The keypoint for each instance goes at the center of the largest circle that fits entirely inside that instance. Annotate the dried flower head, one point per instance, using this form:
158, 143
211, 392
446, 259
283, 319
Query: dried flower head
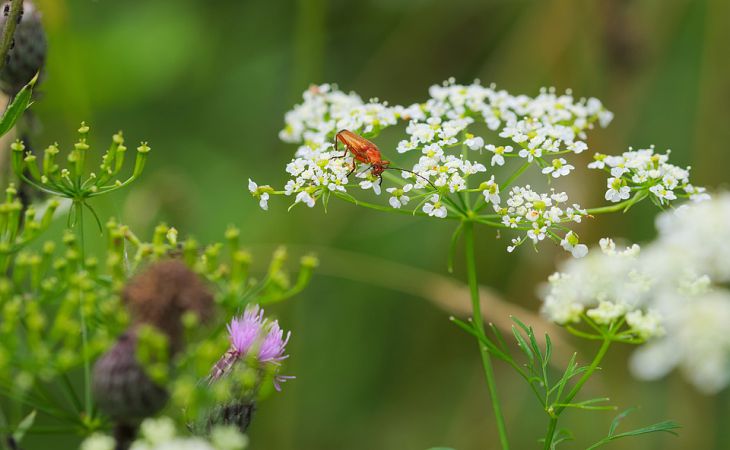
160, 295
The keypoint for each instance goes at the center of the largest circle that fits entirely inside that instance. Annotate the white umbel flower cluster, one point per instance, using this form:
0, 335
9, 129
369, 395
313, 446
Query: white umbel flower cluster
690, 260
604, 286
674, 291
448, 162
646, 171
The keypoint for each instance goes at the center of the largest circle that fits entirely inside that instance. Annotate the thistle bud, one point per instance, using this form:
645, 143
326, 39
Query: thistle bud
123, 390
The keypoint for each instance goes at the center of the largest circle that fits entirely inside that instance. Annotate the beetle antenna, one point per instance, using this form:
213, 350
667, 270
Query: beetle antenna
414, 173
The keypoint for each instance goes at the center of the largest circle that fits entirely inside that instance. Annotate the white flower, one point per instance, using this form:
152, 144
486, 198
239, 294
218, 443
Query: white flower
636, 169
645, 324
498, 158
262, 194
228, 438
434, 207
398, 196
530, 153
305, 198
617, 191
559, 167
369, 184
474, 143
570, 244
157, 431
98, 441
606, 284
490, 190
674, 291
662, 193
607, 312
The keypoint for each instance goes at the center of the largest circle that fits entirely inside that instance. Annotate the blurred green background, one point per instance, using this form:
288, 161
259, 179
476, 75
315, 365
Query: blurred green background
207, 84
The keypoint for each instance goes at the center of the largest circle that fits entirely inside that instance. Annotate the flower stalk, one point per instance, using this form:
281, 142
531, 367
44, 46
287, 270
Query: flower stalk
477, 321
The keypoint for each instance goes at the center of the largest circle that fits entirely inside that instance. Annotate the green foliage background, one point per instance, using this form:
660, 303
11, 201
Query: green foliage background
207, 84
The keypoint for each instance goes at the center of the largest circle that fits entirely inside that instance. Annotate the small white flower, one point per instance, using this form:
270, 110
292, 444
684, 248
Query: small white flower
606, 312
434, 207
490, 190
158, 431
558, 168
498, 158
398, 196
474, 143
228, 438
537, 233
305, 198
617, 190
252, 186
662, 193
571, 244
98, 441
646, 325
369, 184
530, 153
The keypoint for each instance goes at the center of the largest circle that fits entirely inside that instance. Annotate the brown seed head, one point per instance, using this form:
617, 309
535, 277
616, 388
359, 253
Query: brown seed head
162, 293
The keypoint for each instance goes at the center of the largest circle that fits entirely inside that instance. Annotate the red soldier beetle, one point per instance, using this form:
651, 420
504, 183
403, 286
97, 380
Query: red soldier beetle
366, 152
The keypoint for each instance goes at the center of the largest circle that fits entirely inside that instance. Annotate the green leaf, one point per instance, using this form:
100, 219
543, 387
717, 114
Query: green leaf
562, 435
441, 448
24, 426
523, 345
666, 426
617, 420
548, 351
17, 107
588, 404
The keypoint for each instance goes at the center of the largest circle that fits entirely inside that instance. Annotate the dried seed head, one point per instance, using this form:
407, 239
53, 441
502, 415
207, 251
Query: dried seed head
162, 293
28, 54
121, 387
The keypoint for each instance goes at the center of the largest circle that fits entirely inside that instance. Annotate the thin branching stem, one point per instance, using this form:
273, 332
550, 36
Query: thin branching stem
479, 327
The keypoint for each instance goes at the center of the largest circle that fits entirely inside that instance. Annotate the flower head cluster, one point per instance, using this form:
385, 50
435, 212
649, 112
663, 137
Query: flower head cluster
536, 213
690, 261
589, 290
252, 336
678, 284
644, 171
447, 161
437, 129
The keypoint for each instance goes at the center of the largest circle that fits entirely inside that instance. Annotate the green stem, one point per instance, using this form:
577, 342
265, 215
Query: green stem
607, 339
479, 324
88, 402
388, 208
619, 206
16, 6
514, 176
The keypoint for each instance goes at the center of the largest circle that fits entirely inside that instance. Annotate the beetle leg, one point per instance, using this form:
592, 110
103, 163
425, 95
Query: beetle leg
335, 142
353, 169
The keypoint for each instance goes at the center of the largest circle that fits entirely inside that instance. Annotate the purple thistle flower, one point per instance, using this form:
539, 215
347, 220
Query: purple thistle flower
253, 335
273, 347
244, 331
